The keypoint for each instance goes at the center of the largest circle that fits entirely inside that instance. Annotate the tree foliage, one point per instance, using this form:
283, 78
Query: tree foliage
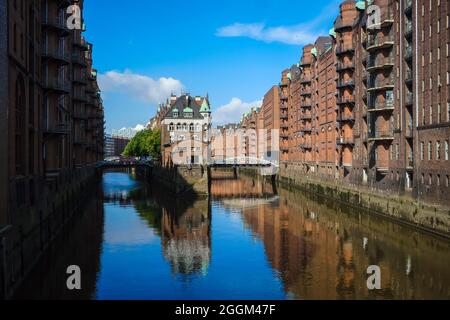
145, 143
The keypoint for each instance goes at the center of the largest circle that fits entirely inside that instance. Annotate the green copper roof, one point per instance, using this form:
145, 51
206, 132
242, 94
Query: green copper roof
205, 106
332, 33
175, 110
289, 76
361, 5
187, 110
314, 51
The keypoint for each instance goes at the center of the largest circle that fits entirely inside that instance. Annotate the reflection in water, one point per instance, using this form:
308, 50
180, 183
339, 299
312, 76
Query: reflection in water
248, 241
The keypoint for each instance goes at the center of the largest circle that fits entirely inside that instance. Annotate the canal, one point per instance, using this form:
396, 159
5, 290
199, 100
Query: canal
251, 240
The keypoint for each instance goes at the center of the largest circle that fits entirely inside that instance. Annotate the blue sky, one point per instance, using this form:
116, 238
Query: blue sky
234, 50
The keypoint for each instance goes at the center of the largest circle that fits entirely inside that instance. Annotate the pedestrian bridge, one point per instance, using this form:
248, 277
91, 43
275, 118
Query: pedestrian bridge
123, 164
267, 167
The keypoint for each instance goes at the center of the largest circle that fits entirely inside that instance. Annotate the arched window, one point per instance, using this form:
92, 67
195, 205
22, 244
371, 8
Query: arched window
20, 116
197, 127
184, 127
178, 126
171, 127
191, 127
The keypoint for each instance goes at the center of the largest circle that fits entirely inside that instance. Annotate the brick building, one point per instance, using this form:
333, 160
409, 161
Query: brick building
374, 99
51, 123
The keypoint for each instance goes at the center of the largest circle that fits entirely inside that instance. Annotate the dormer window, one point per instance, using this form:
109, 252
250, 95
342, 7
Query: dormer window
188, 114
175, 114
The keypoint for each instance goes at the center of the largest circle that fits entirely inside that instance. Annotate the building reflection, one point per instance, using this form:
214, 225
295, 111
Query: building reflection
183, 224
321, 250
186, 238
79, 244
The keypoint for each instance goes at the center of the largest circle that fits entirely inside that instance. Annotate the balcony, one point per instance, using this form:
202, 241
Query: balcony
408, 53
380, 63
384, 84
306, 145
346, 117
305, 92
408, 7
410, 162
305, 105
341, 66
60, 128
306, 129
58, 24
409, 133
283, 97
377, 43
305, 79
381, 165
409, 77
55, 54
409, 99
346, 100
283, 106
284, 126
305, 117
305, 62
80, 41
380, 135
364, 76
79, 59
79, 115
342, 141
408, 30
387, 17
79, 96
283, 84
345, 83
387, 105
93, 75
80, 78
284, 116
344, 49
56, 85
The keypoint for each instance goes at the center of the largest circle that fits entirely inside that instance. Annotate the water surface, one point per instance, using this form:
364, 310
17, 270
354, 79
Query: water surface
250, 240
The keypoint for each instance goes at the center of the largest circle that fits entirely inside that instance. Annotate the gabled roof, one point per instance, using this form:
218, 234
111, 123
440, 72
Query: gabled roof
185, 103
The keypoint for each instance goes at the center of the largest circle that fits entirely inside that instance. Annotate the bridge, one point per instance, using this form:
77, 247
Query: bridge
268, 167
123, 164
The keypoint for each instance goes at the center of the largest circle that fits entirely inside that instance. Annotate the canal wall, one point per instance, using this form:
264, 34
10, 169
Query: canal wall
33, 227
182, 179
398, 207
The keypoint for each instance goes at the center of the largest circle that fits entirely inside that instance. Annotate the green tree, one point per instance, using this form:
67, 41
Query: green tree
145, 143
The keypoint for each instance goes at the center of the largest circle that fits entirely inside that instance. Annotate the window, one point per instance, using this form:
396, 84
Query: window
439, 113
438, 180
446, 150
447, 180
430, 151
422, 151
422, 179
438, 150
430, 179
431, 115
171, 127
396, 152
20, 113
175, 114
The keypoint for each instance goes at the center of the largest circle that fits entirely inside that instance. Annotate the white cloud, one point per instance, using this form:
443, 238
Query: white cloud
139, 86
232, 111
128, 132
295, 35
299, 34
